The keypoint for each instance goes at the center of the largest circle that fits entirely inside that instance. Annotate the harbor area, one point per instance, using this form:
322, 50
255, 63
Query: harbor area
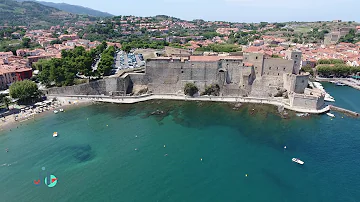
351, 82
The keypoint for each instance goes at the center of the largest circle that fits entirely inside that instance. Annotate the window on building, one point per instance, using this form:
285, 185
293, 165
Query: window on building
284, 68
269, 68
256, 57
278, 74
302, 81
295, 62
182, 71
296, 56
243, 64
277, 68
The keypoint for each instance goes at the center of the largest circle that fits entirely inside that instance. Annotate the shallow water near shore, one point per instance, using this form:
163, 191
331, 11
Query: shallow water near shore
193, 151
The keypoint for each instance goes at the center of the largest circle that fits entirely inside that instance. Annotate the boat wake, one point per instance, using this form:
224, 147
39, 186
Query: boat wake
8, 164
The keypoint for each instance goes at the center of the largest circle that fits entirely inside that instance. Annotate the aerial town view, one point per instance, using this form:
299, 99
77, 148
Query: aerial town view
179, 101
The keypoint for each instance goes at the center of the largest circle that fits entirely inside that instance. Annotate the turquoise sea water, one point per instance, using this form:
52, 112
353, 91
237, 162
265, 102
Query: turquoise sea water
111, 152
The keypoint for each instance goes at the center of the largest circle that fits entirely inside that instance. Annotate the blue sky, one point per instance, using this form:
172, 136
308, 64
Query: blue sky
230, 10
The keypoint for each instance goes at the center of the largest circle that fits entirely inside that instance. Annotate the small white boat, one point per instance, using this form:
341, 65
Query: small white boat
55, 111
55, 134
61, 110
339, 84
296, 160
329, 98
330, 114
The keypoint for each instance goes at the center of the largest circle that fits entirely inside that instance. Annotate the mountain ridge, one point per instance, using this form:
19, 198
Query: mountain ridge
75, 9
31, 13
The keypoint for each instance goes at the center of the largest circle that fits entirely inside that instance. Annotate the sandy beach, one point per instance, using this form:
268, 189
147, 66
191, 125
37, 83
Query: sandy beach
13, 120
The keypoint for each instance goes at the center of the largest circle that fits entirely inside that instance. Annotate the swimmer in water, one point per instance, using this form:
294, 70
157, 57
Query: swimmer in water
7, 150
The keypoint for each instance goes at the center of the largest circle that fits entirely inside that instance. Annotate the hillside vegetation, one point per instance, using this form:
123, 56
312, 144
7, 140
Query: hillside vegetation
73, 9
31, 13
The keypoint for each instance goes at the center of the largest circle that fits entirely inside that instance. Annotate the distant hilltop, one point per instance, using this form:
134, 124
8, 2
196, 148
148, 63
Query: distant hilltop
75, 9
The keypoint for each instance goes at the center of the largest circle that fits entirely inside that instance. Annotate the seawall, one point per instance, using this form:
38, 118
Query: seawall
135, 99
108, 86
345, 111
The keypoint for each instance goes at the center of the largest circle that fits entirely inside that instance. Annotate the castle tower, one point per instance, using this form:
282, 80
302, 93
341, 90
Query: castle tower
257, 59
296, 57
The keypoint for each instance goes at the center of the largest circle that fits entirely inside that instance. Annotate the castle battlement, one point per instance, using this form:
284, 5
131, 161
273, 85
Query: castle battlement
250, 75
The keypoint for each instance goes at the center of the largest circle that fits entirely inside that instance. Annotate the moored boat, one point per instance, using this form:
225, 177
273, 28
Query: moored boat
339, 84
330, 114
61, 110
296, 160
55, 111
329, 98
55, 134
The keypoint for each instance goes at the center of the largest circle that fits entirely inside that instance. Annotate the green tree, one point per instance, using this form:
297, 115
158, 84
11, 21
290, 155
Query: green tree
5, 100
190, 89
307, 68
57, 41
25, 91
107, 61
295, 40
330, 61
126, 48
275, 56
26, 42
213, 89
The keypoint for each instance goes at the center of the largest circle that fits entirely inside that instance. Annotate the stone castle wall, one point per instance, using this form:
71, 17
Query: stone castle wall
107, 86
255, 76
257, 59
277, 67
305, 101
295, 83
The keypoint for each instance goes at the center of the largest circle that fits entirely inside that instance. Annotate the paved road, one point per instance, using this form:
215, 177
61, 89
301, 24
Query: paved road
117, 62
94, 68
126, 61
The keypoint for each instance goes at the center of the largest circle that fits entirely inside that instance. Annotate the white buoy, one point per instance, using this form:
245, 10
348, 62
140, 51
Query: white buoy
164, 146
284, 147
246, 175
135, 135
200, 159
135, 149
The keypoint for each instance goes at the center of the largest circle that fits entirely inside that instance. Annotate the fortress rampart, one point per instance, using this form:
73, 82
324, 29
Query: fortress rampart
252, 76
